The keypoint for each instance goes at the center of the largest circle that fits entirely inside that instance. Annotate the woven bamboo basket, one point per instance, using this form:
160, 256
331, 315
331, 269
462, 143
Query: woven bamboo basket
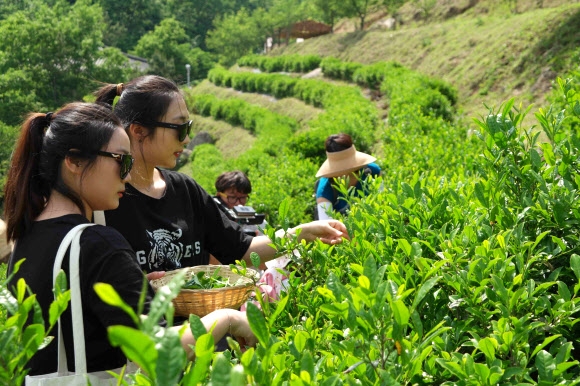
203, 301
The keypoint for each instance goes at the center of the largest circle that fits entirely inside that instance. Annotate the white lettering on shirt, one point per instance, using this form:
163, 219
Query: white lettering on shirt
141, 257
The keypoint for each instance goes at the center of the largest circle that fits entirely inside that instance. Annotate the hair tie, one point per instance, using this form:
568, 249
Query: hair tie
48, 118
119, 89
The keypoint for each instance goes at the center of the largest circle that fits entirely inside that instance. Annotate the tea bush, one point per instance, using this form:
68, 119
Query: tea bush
463, 264
346, 109
287, 63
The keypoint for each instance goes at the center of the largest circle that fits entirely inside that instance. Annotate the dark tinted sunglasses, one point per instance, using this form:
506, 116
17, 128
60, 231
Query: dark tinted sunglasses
125, 160
183, 129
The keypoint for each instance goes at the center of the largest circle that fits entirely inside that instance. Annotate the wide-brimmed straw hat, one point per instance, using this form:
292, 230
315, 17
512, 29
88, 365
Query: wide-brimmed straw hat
342, 162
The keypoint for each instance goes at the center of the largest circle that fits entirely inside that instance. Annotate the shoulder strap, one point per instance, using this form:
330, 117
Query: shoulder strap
99, 217
72, 237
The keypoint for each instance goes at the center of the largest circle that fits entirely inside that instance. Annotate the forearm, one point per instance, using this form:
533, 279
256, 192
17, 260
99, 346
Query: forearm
328, 231
221, 318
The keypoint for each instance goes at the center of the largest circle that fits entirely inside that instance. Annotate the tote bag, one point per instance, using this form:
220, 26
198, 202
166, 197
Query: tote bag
80, 377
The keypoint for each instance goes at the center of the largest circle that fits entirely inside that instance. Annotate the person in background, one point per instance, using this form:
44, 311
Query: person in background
233, 188
343, 160
65, 166
169, 220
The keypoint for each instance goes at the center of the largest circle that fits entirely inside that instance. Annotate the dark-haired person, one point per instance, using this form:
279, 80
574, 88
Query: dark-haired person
168, 219
233, 188
342, 160
65, 166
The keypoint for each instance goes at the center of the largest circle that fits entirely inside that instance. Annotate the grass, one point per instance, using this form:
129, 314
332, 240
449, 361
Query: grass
490, 57
230, 140
289, 107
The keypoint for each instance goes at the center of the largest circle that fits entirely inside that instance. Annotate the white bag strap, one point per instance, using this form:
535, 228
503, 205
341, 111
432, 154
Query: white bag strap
99, 217
73, 236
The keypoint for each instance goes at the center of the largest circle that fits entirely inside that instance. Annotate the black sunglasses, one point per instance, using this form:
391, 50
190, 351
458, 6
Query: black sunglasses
184, 128
125, 160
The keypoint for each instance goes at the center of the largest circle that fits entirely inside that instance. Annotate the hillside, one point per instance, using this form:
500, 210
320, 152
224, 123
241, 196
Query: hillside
489, 53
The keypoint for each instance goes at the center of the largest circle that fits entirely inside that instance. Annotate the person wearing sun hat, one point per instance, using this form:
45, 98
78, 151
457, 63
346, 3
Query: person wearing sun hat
342, 160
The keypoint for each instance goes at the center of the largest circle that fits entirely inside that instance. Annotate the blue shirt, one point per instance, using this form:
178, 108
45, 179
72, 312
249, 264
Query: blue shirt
339, 204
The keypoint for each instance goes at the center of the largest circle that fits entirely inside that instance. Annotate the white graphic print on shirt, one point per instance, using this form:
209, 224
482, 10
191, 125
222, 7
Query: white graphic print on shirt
165, 254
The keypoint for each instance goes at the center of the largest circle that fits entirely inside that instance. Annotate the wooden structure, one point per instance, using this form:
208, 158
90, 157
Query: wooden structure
305, 29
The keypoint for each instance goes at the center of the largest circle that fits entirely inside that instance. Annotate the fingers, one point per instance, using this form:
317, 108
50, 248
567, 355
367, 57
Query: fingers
241, 330
155, 275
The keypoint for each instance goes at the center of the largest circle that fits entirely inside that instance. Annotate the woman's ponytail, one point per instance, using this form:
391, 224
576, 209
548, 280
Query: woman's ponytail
25, 191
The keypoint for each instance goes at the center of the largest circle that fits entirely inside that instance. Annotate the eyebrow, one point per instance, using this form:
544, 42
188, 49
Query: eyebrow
182, 118
120, 150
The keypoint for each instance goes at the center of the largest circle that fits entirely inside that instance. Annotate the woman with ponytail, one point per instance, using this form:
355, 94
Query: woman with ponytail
65, 166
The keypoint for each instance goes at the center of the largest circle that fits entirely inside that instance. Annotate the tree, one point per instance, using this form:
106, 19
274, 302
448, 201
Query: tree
360, 9
284, 13
168, 49
329, 10
52, 55
197, 17
234, 36
128, 20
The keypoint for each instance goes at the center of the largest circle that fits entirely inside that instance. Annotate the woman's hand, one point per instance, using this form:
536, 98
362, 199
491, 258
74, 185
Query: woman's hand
240, 329
155, 275
328, 231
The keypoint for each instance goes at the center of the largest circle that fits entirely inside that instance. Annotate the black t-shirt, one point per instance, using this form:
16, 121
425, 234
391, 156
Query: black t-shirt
179, 229
105, 257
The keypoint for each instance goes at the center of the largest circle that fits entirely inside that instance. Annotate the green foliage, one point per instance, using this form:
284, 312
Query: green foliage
206, 164
8, 136
346, 110
288, 63
279, 177
49, 55
20, 342
360, 9
234, 36
169, 49
128, 21
156, 350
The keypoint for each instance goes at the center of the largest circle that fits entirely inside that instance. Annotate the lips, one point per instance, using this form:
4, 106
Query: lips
177, 154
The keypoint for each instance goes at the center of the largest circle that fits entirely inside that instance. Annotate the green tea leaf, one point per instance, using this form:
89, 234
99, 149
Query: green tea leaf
171, 358
307, 364
300, 340
545, 365
237, 376
280, 306
255, 259
196, 326
108, 295
546, 342
136, 345
423, 291
487, 346
258, 323
203, 359
221, 369
575, 265
401, 313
